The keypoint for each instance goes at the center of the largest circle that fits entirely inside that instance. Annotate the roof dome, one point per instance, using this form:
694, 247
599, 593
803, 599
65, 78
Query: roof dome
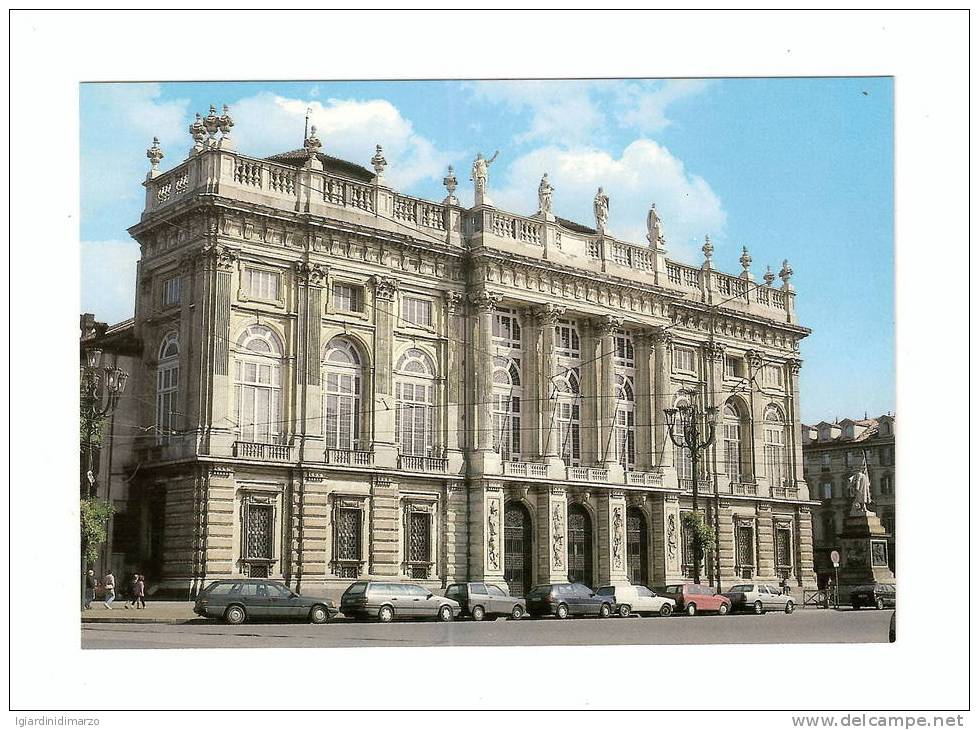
334, 165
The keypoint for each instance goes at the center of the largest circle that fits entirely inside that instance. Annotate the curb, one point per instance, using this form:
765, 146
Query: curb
120, 620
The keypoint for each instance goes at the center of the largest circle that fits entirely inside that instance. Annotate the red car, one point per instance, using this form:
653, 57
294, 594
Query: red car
693, 599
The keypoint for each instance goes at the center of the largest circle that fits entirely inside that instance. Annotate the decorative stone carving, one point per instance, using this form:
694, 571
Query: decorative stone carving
714, 350
225, 123
795, 364
211, 123
484, 301
312, 143
313, 274
607, 324
600, 205
654, 228
618, 538
755, 359
378, 163
745, 263
452, 301
451, 183
708, 249
385, 288
199, 134
493, 535
557, 542
545, 195
662, 335
548, 314
155, 154
785, 274
219, 255
671, 541
769, 277
480, 177
859, 490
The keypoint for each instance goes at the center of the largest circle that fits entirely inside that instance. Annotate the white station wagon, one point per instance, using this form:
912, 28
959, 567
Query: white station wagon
759, 598
637, 599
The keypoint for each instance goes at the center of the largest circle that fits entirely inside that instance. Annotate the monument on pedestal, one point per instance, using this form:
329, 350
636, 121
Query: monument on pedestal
863, 542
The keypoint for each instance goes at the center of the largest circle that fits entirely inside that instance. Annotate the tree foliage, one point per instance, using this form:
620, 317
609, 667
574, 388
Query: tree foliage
703, 534
95, 514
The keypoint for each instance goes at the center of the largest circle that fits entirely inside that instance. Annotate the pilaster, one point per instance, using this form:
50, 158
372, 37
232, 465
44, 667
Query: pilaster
486, 531
663, 454
611, 537
552, 534
645, 408
384, 528
483, 459
385, 450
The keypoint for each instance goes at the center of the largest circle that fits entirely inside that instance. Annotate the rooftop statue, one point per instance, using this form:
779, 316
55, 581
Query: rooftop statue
545, 194
654, 227
480, 175
601, 211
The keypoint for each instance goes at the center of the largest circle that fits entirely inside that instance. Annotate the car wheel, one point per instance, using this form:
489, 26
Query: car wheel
445, 613
478, 613
880, 604
723, 609
385, 615
759, 608
624, 611
319, 615
790, 607
666, 610
855, 606
562, 611
691, 609
517, 612
235, 615
605, 611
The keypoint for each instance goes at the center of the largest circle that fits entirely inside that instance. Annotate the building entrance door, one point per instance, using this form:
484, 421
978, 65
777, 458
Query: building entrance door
517, 547
579, 546
637, 547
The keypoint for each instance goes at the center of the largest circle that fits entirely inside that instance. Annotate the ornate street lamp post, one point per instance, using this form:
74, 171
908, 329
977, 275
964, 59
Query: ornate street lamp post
692, 430
101, 388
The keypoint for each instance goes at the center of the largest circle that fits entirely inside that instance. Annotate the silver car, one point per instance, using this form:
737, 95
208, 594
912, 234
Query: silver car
758, 598
385, 601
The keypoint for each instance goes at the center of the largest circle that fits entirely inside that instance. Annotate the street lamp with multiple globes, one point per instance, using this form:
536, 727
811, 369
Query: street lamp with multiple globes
101, 388
692, 430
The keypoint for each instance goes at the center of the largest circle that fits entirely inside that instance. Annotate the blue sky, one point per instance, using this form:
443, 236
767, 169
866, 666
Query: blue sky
791, 168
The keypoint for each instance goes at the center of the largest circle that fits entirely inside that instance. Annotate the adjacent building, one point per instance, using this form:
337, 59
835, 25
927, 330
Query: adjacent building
338, 381
833, 453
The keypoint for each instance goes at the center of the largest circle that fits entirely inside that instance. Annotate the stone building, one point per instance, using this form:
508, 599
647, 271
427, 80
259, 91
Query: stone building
834, 452
341, 381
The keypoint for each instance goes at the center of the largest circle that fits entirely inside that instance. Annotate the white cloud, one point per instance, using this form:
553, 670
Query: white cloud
645, 173
643, 107
266, 124
108, 277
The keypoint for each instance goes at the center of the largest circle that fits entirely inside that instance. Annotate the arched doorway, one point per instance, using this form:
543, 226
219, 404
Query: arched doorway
637, 547
517, 548
579, 546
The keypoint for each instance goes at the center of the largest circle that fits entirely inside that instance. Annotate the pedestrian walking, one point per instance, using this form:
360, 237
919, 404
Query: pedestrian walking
91, 583
109, 584
139, 591
133, 599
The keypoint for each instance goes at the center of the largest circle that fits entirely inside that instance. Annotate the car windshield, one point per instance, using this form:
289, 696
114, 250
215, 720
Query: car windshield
540, 591
671, 589
743, 588
357, 589
606, 591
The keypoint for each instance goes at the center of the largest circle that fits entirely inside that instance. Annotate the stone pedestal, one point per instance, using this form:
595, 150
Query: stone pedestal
863, 551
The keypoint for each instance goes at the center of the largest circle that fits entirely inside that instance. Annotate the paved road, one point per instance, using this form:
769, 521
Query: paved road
809, 626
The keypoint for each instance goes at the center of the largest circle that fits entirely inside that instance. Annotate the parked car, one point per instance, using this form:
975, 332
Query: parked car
876, 595
567, 599
478, 600
759, 598
388, 601
692, 598
238, 599
627, 598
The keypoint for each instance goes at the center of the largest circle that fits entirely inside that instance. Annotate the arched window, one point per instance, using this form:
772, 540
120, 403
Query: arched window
731, 432
775, 467
569, 417
167, 378
507, 392
258, 385
625, 422
342, 395
414, 416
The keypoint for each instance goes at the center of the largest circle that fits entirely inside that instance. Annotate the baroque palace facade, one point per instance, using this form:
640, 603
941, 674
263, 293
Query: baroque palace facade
337, 381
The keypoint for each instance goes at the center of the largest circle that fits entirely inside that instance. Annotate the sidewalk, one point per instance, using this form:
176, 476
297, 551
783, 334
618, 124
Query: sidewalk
156, 612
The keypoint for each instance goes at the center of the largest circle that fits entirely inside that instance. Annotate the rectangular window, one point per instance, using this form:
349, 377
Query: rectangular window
419, 544
732, 451
261, 284
826, 490
349, 520
569, 432
684, 465
567, 342
826, 459
348, 298
506, 422
171, 291
783, 547
775, 455
625, 354
772, 376
733, 367
744, 537
258, 535
166, 401
416, 311
506, 329
414, 418
625, 438
683, 360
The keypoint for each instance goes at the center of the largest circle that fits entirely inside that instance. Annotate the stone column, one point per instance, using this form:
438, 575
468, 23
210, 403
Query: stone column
484, 459
607, 326
385, 451
611, 537
219, 263
793, 435
534, 381
590, 369
310, 279
755, 438
645, 403
455, 391
547, 317
714, 377
486, 531
552, 534
663, 448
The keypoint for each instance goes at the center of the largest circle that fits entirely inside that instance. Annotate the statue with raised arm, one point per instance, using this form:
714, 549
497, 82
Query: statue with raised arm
654, 227
859, 488
545, 194
601, 211
480, 176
